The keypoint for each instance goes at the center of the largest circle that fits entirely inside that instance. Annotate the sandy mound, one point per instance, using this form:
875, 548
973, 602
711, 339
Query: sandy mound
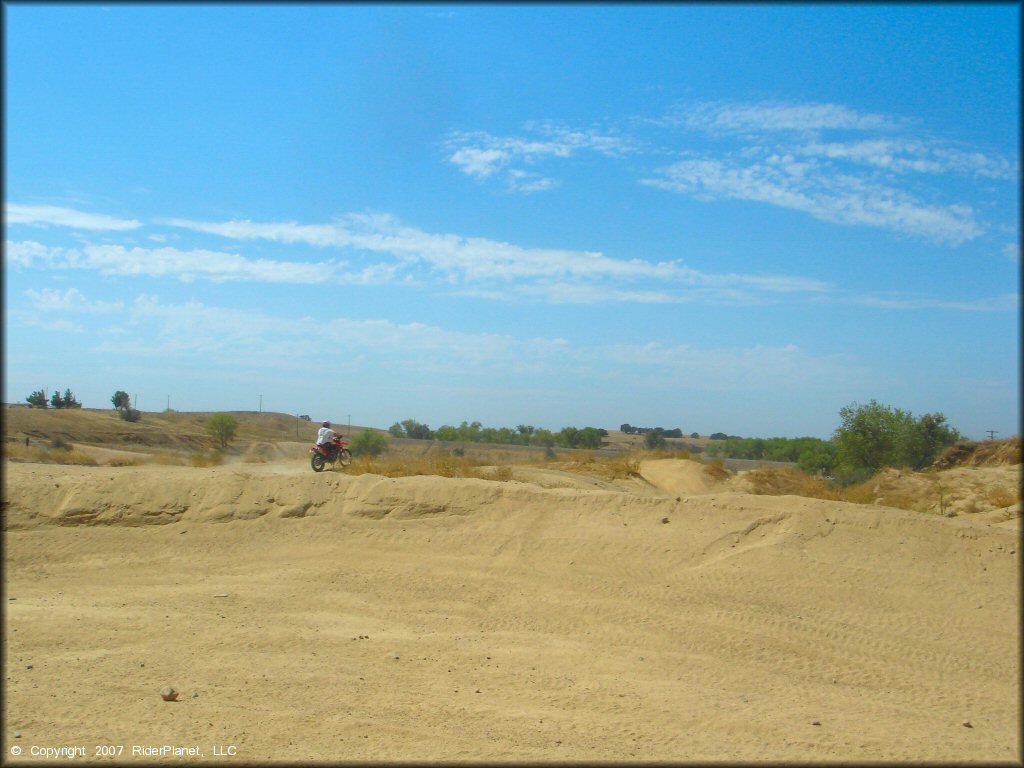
960, 491
324, 617
679, 477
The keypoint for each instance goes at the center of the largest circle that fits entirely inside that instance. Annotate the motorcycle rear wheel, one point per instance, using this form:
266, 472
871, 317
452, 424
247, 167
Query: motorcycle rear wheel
317, 462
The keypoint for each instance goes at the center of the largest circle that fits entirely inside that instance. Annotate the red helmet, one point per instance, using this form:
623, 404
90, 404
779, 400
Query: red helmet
327, 424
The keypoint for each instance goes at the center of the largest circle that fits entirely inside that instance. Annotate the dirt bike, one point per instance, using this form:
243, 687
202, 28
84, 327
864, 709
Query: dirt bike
334, 452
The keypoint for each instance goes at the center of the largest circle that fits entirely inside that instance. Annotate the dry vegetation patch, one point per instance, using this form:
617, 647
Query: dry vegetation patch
963, 490
47, 455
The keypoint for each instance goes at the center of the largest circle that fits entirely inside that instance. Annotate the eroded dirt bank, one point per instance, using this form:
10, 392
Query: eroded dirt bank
327, 617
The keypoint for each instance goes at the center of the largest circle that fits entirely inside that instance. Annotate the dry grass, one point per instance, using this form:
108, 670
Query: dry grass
128, 461
772, 481
40, 455
214, 459
1001, 498
716, 470
399, 465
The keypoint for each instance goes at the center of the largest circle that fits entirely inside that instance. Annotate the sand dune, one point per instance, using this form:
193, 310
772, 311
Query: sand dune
552, 617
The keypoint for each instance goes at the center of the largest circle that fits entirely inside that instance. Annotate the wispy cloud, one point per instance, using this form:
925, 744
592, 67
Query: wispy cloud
761, 117
473, 265
52, 215
826, 160
190, 265
802, 157
1007, 302
912, 155
482, 155
50, 300
29, 253
822, 192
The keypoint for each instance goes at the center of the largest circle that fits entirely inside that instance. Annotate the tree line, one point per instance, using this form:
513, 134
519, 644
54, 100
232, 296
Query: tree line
869, 438
523, 434
38, 399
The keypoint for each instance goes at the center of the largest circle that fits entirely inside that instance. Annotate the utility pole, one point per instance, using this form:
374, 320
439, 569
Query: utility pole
261, 403
136, 404
991, 434
168, 402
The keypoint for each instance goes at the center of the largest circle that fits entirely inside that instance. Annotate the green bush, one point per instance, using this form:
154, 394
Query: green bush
369, 443
222, 428
874, 436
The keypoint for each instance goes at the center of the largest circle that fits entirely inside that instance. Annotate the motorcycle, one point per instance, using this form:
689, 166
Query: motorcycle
334, 452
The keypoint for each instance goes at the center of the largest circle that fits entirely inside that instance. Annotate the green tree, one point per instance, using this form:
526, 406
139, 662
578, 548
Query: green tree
447, 433
655, 439
221, 427
69, 399
415, 430
368, 443
121, 400
921, 444
38, 399
543, 437
819, 459
589, 437
867, 437
873, 436
123, 403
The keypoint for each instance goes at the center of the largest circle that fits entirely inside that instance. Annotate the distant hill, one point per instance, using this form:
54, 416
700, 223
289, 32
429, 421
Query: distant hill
171, 430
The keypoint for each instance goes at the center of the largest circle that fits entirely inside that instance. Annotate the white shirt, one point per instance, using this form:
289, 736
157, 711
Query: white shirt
325, 435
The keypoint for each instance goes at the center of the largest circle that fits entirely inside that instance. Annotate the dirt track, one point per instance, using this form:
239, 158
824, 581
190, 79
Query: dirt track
328, 617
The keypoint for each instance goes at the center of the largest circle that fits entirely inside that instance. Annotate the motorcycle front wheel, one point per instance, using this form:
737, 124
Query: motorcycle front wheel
344, 457
317, 462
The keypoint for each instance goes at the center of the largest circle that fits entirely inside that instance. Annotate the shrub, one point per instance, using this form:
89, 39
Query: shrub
21, 453
654, 440
130, 414
222, 428
873, 436
716, 470
213, 459
369, 443
60, 444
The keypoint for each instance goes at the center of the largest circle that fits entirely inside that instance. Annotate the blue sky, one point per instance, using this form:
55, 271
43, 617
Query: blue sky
734, 218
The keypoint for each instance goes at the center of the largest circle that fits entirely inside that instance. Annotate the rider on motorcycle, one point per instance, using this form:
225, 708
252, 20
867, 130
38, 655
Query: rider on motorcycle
325, 436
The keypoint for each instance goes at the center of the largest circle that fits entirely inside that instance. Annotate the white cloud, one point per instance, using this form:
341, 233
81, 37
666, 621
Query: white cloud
523, 181
29, 253
483, 155
912, 155
834, 197
192, 264
50, 300
480, 162
732, 117
42, 215
475, 264
1007, 302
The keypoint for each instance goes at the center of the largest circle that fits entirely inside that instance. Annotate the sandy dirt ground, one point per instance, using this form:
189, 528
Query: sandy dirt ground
309, 617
